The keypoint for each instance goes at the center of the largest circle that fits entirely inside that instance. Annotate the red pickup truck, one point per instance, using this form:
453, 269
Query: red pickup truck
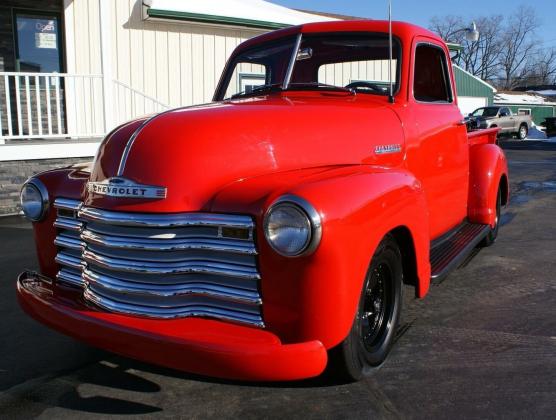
268, 234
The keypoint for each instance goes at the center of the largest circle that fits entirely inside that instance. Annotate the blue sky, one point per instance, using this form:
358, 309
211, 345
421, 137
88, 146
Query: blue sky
420, 11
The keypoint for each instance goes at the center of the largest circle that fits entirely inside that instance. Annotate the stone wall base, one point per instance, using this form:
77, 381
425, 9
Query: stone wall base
14, 173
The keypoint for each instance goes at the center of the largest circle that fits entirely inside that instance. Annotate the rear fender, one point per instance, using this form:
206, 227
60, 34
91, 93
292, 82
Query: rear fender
316, 296
488, 168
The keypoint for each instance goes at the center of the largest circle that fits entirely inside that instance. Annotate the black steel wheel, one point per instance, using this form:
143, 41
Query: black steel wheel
377, 301
374, 327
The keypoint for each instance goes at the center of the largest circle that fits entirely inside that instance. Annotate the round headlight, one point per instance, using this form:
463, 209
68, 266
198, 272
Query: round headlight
292, 226
34, 199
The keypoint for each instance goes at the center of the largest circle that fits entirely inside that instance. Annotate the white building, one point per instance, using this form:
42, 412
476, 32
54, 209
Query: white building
78, 68
125, 58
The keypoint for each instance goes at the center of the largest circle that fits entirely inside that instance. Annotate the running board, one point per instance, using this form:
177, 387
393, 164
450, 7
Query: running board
451, 252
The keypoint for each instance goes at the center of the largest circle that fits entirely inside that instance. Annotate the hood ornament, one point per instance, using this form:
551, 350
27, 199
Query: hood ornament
125, 188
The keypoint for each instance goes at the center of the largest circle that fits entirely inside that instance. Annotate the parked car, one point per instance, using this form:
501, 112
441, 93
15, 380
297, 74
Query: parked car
503, 118
269, 234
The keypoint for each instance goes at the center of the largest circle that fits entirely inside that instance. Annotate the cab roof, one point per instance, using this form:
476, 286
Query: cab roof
402, 30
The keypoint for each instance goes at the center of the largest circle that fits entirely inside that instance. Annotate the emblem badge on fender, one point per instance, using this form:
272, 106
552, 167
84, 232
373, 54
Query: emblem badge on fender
388, 148
125, 188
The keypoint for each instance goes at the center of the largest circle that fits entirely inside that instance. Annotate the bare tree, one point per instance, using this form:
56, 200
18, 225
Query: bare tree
517, 46
448, 28
541, 69
484, 59
506, 53
480, 58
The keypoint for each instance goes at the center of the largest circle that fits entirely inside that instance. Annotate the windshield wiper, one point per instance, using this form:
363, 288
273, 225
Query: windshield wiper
318, 85
273, 87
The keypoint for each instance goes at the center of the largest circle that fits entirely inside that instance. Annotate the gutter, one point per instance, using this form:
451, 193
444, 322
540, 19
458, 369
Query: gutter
213, 19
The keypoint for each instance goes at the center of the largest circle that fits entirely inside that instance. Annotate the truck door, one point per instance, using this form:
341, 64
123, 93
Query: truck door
438, 154
507, 120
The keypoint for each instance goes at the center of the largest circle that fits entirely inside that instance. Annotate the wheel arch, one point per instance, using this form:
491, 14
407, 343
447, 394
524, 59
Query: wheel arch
505, 189
488, 170
405, 242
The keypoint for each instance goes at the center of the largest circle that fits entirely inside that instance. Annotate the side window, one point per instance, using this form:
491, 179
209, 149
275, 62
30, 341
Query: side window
504, 112
431, 80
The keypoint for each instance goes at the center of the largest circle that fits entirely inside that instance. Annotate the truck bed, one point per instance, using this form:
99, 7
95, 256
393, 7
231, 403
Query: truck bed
483, 136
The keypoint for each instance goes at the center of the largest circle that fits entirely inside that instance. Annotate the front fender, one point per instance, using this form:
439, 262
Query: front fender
64, 182
487, 169
316, 296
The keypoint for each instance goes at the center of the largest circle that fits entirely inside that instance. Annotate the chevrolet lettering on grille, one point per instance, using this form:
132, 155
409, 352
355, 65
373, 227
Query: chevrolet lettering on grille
121, 187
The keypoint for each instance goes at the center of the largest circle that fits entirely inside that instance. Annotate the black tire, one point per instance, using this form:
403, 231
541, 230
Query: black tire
491, 237
374, 328
523, 131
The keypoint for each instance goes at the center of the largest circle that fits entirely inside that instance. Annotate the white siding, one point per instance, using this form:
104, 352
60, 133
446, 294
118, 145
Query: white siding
341, 74
84, 97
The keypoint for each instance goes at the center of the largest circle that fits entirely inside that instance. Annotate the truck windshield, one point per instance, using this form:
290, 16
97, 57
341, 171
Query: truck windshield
338, 61
485, 112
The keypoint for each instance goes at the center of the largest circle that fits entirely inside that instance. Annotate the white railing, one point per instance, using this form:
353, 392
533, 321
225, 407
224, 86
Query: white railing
131, 103
62, 105
50, 105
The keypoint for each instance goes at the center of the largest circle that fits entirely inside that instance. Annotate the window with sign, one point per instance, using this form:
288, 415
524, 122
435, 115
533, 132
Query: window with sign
38, 43
248, 82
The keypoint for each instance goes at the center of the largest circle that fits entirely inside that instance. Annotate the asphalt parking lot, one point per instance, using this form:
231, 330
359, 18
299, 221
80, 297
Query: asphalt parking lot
481, 344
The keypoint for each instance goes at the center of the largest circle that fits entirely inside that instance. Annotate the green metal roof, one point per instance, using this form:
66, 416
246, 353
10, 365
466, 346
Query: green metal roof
454, 47
469, 85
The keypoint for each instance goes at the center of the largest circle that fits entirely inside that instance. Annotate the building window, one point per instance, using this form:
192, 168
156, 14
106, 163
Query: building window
524, 111
247, 82
38, 42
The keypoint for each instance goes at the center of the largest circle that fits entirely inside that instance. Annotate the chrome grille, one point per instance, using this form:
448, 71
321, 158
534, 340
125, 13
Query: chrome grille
160, 265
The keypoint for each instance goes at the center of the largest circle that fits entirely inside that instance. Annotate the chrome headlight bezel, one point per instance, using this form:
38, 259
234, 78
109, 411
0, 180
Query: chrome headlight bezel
313, 219
44, 201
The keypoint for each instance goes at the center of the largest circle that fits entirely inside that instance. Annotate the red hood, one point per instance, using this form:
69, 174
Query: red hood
195, 152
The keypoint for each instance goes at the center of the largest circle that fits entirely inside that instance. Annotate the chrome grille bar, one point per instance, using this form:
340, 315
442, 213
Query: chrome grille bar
67, 223
165, 313
152, 267
167, 290
165, 220
67, 241
70, 276
160, 265
67, 204
145, 244
63, 258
